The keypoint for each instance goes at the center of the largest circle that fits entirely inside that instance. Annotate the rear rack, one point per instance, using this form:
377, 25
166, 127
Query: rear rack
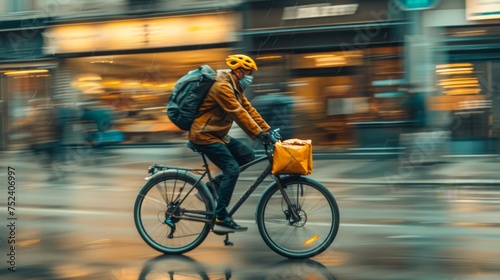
161, 167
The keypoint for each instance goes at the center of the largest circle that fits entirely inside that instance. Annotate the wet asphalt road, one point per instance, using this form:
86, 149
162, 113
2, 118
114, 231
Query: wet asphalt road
81, 227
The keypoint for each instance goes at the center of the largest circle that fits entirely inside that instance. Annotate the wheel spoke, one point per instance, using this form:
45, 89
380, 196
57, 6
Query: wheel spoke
317, 222
158, 201
159, 204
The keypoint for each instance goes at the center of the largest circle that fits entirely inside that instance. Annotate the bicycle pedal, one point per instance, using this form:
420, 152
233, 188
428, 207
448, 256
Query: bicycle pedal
222, 230
227, 242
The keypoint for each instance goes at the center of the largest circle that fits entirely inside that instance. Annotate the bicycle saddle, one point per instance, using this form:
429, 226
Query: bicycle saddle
192, 147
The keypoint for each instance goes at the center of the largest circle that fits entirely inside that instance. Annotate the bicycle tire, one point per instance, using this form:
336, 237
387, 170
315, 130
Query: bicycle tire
313, 232
157, 197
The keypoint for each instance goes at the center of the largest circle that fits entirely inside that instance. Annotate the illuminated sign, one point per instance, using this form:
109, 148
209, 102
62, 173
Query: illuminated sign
144, 33
482, 9
318, 10
411, 5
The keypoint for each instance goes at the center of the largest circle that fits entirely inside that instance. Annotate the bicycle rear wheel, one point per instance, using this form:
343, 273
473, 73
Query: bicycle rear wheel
167, 219
313, 231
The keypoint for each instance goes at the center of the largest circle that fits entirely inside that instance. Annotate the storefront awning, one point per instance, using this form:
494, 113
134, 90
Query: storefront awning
343, 27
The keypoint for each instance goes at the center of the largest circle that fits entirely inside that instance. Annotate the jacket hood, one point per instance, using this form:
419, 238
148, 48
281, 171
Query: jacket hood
225, 75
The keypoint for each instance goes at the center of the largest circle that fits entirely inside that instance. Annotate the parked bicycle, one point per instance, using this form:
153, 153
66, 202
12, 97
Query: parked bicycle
296, 216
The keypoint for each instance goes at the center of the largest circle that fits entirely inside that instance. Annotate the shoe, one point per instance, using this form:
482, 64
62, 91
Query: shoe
228, 225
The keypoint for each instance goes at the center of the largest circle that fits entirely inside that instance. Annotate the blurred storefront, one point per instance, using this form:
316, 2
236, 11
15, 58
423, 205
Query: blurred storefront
128, 67
465, 36
118, 59
340, 61
24, 77
335, 69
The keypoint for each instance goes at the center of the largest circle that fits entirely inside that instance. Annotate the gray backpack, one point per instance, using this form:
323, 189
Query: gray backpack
188, 95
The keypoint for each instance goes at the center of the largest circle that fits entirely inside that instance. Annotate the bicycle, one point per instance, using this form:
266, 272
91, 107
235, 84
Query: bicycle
296, 216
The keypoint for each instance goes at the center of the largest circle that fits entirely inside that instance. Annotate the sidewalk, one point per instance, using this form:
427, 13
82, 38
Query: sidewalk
473, 170
460, 170
477, 170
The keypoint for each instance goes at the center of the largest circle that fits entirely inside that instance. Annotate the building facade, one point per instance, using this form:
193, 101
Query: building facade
341, 61
117, 56
339, 65
455, 54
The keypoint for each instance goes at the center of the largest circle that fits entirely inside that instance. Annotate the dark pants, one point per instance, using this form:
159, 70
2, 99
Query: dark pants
51, 148
228, 158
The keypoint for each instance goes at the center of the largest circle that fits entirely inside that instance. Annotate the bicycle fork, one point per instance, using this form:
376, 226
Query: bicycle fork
293, 210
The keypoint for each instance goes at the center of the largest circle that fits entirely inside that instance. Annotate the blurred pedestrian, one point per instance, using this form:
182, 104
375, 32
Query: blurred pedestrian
277, 110
415, 105
45, 130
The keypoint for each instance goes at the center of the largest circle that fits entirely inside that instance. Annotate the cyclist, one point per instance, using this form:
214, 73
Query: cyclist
225, 103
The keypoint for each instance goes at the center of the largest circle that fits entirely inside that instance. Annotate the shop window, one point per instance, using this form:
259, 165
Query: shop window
135, 89
324, 89
272, 76
466, 95
25, 89
327, 60
325, 106
385, 77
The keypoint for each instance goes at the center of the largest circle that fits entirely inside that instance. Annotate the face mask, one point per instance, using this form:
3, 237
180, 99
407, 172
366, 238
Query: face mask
246, 81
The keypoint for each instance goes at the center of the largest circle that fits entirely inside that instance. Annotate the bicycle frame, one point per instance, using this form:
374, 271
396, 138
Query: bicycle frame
255, 184
260, 179
206, 171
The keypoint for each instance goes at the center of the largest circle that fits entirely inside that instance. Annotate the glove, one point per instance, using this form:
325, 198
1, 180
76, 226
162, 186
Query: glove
265, 137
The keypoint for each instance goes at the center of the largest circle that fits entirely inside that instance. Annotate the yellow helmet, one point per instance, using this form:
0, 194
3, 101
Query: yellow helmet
236, 61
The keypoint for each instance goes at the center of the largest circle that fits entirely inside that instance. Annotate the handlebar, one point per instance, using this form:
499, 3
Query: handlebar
275, 135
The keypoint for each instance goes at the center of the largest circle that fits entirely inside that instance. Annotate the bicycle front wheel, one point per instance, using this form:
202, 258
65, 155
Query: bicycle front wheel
308, 234
168, 218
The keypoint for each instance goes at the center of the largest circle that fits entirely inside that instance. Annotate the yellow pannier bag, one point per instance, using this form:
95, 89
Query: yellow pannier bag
292, 156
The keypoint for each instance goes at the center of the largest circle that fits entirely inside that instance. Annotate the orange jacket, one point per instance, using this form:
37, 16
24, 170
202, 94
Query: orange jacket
225, 103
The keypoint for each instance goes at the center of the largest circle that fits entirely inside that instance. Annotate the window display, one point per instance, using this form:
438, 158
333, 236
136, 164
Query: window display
135, 88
